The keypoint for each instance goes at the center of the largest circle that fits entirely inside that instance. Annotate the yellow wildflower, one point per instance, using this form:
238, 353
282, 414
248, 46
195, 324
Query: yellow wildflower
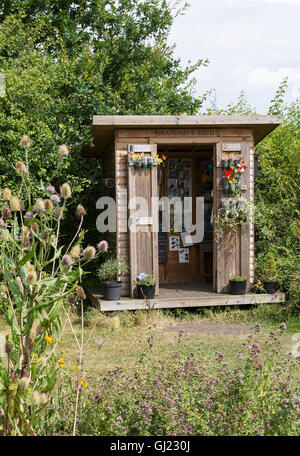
62, 352
49, 339
60, 361
75, 368
62, 366
84, 383
36, 357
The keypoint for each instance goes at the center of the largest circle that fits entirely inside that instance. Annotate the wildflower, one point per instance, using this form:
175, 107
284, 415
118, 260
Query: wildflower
6, 194
50, 189
89, 252
80, 210
65, 191
5, 235
62, 352
58, 213
35, 398
75, 252
29, 266
25, 142
62, 366
55, 199
49, 339
24, 382
20, 284
28, 216
80, 293
115, 322
63, 151
84, 383
39, 206
60, 361
6, 212
75, 368
15, 204
21, 168
31, 277
43, 399
283, 326
36, 357
67, 260
102, 246
48, 205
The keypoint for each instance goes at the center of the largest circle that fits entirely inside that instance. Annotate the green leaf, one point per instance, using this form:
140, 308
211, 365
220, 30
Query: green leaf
27, 257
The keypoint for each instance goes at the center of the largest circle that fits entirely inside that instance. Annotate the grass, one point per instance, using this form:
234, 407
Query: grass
128, 345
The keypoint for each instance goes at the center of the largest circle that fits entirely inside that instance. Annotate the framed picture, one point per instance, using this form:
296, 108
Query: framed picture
174, 243
184, 255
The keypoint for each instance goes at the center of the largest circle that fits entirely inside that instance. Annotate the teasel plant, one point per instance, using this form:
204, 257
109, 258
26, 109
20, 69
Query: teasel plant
40, 281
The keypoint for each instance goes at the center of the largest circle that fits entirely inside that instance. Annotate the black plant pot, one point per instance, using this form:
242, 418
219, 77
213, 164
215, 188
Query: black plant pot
146, 292
271, 287
238, 288
111, 291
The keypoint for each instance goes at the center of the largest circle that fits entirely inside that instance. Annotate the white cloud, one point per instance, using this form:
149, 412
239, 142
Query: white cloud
282, 2
264, 78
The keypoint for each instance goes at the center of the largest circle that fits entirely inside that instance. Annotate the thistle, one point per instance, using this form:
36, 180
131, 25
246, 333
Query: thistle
80, 293
39, 206
6, 194
102, 246
65, 191
6, 212
89, 252
48, 205
80, 210
63, 150
75, 252
58, 213
31, 277
50, 189
28, 216
55, 199
15, 205
21, 168
67, 260
25, 142
35, 228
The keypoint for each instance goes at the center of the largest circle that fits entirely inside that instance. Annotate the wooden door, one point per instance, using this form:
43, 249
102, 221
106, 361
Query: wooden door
143, 238
234, 253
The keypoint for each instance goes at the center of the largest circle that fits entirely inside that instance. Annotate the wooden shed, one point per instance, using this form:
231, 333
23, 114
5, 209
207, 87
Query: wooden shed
197, 150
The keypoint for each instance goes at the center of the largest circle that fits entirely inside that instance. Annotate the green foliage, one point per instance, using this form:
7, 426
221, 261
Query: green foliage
269, 270
65, 61
38, 278
111, 269
235, 212
145, 279
238, 279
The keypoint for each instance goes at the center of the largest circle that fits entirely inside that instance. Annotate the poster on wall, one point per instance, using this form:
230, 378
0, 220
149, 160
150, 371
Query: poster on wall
186, 239
174, 243
184, 255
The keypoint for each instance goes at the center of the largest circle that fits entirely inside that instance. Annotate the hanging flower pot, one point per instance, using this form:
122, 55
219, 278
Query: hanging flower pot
150, 162
225, 186
144, 162
137, 163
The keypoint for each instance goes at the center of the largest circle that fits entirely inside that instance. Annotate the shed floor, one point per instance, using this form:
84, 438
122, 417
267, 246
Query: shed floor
182, 295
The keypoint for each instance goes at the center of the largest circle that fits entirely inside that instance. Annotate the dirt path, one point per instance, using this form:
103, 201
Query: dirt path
208, 328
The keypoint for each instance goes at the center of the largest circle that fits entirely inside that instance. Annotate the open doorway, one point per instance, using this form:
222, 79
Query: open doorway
185, 267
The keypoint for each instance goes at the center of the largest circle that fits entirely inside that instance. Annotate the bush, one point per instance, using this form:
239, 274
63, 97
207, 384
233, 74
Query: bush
111, 269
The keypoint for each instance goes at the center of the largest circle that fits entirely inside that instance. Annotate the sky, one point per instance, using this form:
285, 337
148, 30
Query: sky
251, 45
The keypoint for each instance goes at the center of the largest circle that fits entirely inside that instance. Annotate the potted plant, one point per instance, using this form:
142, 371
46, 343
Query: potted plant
238, 285
108, 274
146, 286
269, 274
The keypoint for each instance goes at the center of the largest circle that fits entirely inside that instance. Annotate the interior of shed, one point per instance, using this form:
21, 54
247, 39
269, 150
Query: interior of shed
186, 268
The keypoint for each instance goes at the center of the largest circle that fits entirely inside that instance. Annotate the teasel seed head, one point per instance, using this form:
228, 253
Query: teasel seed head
21, 168
89, 252
55, 199
46, 234
35, 228
5, 235
31, 277
6, 212
20, 284
80, 210
15, 205
6, 194
65, 191
75, 252
102, 246
29, 266
24, 382
50, 189
80, 293
36, 398
70, 298
58, 213
67, 260
48, 205
39, 206
63, 150
28, 216
25, 142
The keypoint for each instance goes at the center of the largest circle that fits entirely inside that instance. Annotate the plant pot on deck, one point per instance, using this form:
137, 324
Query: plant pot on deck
271, 287
238, 287
111, 290
146, 291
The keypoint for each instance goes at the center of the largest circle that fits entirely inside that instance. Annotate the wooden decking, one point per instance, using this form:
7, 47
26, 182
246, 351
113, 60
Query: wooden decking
184, 295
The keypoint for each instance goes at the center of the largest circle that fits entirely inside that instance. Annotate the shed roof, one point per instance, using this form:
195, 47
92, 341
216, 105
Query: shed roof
261, 125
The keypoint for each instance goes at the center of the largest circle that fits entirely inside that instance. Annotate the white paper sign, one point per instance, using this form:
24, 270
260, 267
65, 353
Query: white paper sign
184, 255
186, 239
174, 243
